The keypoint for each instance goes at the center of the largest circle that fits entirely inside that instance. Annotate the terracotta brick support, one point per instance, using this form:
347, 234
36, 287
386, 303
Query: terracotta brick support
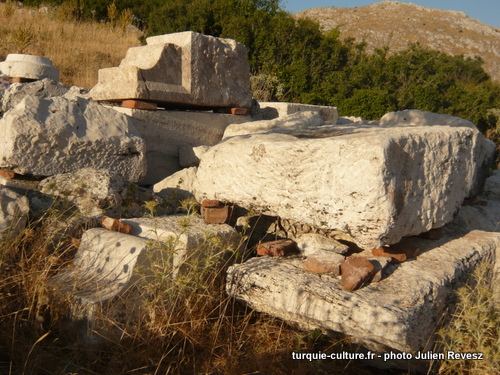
7, 174
138, 104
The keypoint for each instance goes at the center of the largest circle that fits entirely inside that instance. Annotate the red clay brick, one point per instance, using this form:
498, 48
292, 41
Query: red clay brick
240, 111
210, 203
137, 104
216, 215
7, 174
355, 272
277, 248
320, 266
115, 225
20, 80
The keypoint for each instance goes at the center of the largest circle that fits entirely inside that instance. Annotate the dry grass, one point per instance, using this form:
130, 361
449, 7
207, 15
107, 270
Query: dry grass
160, 325
475, 327
78, 49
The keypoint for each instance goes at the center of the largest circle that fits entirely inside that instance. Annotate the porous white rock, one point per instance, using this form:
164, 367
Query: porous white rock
192, 236
45, 88
191, 156
400, 312
29, 66
93, 191
414, 117
178, 185
422, 118
182, 69
45, 137
107, 262
378, 184
14, 209
312, 243
293, 122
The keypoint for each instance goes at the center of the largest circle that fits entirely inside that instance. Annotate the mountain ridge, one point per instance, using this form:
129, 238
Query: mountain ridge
396, 24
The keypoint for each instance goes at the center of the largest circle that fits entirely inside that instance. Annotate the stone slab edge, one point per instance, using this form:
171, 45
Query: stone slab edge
398, 312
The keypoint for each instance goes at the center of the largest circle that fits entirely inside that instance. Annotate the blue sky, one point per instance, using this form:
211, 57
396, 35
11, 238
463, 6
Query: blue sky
487, 11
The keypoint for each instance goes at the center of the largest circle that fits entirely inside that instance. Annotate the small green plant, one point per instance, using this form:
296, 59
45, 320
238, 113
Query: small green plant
151, 206
189, 205
474, 328
266, 87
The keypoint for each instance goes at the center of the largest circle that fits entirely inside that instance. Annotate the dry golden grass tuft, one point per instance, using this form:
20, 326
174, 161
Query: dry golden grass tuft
474, 327
79, 49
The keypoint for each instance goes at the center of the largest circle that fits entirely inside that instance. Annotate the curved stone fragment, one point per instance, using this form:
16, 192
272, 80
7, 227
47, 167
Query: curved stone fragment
108, 262
29, 66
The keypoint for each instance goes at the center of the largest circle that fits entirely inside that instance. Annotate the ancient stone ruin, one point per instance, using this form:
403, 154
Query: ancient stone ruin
360, 227
181, 69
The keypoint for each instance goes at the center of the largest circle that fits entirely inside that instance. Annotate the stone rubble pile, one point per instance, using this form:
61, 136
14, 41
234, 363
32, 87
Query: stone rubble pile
341, 212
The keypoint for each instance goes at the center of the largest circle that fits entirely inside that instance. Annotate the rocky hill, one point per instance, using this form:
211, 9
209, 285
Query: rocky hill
395, 24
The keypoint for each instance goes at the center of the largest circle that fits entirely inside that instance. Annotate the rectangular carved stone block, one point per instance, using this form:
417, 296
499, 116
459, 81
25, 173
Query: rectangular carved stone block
378, 184
184, 69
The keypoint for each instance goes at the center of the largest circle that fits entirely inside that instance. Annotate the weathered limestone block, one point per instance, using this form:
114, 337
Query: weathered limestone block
378, 184
45, 137
271, 110
165, 132
183, 69
400, 312
92, 191
312, 243
29, 66
191, 236
191, 156
295, 122
46, 88
416, 117
107, 262
14, 209
179, 185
